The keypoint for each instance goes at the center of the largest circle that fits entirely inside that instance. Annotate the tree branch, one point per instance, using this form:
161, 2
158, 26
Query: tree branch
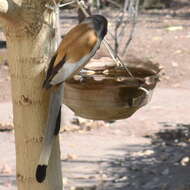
133, 12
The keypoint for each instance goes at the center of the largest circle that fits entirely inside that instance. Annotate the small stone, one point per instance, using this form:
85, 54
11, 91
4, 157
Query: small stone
121, 179
70, 128
185, 161
176, 140
182, 144
148, 152
178, 51
143, 153
83, 121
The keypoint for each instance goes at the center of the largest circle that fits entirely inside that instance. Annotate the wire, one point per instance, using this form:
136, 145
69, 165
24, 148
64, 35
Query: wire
65, 4
116, 58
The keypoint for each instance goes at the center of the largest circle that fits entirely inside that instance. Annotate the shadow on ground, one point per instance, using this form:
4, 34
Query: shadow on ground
162, 165
165, 165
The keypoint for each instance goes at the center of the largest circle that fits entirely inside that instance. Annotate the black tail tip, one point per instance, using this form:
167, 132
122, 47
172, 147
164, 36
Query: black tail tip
41, 173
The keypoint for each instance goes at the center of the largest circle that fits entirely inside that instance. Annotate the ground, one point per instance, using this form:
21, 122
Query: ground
149, 150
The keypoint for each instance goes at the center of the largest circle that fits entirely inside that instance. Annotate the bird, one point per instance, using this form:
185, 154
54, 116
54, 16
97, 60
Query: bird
77, 47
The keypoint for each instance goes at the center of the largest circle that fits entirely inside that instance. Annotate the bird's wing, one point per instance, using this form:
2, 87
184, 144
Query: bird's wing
75, 50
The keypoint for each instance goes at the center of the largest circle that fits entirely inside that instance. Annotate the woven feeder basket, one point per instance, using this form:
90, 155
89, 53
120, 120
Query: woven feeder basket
104, 91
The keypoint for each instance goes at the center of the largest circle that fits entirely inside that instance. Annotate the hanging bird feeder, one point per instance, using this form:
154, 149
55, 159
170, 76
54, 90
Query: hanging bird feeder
104, 91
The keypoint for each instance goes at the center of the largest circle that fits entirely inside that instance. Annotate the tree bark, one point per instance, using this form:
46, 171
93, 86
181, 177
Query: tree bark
30, 36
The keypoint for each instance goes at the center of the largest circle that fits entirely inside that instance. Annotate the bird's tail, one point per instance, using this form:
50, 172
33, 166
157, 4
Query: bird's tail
53, 126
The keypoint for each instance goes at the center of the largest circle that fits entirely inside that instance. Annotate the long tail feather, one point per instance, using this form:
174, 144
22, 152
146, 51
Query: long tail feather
53, 126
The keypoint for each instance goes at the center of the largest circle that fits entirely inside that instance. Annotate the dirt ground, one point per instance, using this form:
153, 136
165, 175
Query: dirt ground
148, 151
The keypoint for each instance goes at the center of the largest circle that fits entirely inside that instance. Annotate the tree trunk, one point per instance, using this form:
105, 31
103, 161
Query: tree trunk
30, 36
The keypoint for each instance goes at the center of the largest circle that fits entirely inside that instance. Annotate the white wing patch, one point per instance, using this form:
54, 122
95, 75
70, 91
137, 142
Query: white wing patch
70, 69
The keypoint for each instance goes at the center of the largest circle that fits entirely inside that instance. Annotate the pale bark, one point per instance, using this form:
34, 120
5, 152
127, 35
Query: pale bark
8, 11
30, 45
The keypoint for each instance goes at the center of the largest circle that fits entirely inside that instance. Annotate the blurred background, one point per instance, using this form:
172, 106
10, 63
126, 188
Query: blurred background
148, 151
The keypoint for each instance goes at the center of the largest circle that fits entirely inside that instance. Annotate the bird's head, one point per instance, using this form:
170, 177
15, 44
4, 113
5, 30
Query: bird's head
99, 23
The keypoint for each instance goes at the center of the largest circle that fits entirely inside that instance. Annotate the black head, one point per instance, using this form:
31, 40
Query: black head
100, 24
